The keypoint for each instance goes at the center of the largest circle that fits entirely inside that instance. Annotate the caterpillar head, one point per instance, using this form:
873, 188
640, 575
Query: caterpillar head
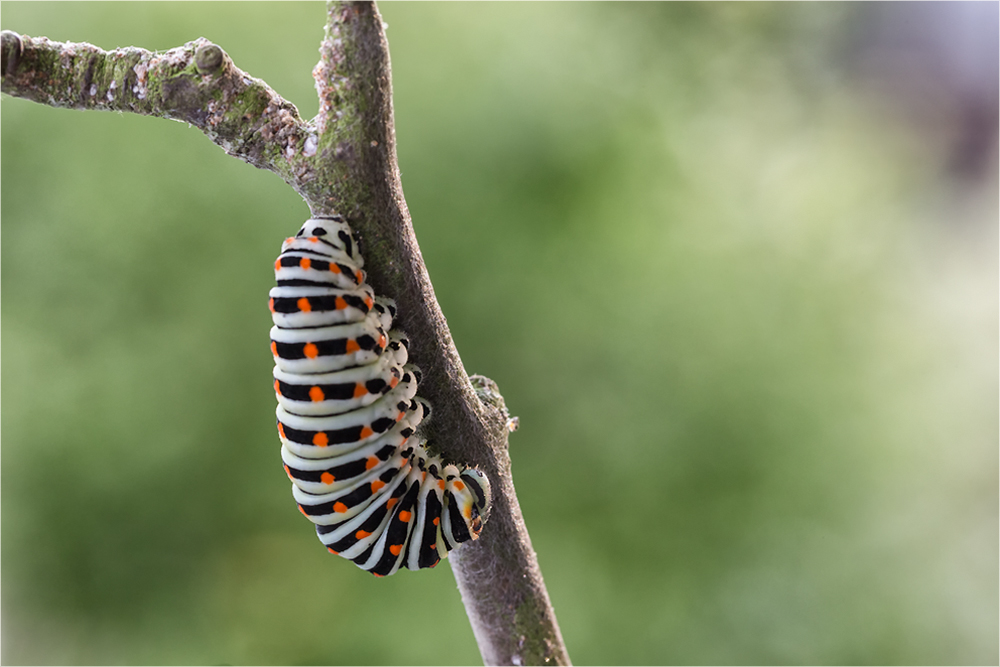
479, 484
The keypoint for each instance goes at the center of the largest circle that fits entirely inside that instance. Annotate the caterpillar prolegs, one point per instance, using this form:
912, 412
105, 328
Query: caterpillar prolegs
348, 415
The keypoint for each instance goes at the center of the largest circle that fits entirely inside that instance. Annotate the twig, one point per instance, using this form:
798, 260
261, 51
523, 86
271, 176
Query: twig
343, 161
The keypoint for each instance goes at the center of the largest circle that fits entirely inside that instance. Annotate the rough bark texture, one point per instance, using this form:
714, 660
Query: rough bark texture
343, 161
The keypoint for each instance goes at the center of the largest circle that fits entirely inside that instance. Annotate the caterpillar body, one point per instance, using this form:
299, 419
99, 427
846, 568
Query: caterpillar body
348, 415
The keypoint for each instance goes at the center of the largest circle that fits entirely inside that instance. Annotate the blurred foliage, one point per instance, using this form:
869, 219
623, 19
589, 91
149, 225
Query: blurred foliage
749, 329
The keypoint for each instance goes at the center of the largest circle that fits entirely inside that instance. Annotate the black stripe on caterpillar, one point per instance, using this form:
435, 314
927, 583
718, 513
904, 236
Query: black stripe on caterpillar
348, 415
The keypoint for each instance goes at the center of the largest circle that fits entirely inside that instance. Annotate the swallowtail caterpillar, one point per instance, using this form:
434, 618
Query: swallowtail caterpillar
348, 415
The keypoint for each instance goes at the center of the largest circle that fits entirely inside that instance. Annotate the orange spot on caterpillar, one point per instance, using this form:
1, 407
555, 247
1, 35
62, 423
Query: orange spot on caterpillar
303, 510
371, 462
277, 388
304, 305
320, 439
339, 303
359, 390
327, 478
288, 472
390, 503
437, 520
394, 549
281, 430
274, 349
393, 382
330, 549
360, 277
376, 574
277, 264
270, 305
305, 263
310, 350
334, 268
467, 511
352, 346
339, 507
400, 416
313, 239
369, 302
459, 486
382, 342
362, 534
366, 432
441, 484
376, 485
316, 394
404, 516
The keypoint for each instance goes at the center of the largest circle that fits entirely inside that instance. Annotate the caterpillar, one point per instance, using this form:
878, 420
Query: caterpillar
348, 414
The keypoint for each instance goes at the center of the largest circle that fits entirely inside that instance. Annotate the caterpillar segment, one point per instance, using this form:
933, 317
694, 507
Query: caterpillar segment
348, 415
325, 349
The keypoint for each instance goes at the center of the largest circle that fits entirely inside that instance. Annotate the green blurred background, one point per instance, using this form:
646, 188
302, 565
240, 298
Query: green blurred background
734, 266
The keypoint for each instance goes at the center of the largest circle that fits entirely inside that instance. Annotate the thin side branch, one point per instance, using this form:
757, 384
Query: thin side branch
196, 83
344, 161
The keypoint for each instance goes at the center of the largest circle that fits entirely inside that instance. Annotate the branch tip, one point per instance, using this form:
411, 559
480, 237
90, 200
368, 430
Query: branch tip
13, 47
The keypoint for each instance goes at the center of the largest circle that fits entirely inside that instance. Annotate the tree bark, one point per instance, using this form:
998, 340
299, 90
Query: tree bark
343, 161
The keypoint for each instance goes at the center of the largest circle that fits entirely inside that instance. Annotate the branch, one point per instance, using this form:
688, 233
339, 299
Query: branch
343, 161
196, 83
